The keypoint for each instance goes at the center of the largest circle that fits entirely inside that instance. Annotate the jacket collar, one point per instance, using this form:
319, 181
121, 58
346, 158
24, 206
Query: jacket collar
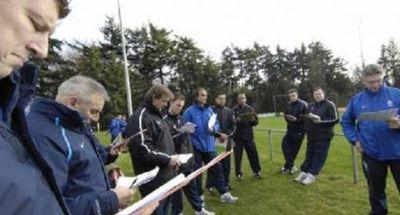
381, 89
152, 108
17, 88
58, 112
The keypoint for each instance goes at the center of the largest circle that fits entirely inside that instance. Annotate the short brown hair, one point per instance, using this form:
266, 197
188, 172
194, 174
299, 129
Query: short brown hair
372, 69
290, 91
198, 90
158, 91
63, 8
178, 96
318, 88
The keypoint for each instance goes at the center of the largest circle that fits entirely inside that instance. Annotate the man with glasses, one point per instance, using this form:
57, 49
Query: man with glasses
377, 141
291, 142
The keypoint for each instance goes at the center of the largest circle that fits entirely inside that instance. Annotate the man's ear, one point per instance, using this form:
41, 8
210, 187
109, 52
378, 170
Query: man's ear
72, 101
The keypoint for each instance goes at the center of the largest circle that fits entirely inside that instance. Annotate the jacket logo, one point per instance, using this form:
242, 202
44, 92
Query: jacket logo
363, 107
389, 103
82, 145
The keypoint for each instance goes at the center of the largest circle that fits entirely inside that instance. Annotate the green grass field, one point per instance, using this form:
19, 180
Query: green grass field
333, 193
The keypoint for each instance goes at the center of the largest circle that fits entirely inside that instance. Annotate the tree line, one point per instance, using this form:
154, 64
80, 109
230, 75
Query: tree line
157, 55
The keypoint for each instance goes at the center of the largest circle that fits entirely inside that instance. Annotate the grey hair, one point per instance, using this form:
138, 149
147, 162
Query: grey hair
372, 69
82, 87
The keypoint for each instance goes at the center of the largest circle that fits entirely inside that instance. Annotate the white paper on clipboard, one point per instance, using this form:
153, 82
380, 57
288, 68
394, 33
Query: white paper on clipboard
383, 115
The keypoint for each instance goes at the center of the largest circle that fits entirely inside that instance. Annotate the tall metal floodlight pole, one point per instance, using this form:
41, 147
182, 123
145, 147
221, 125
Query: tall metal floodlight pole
127, 81
361, 44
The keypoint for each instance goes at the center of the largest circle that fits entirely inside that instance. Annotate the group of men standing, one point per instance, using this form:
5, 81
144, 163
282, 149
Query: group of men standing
165, 138
377, 140
316, 120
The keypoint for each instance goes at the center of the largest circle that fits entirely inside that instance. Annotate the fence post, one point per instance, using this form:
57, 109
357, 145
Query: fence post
270, 144
355, 167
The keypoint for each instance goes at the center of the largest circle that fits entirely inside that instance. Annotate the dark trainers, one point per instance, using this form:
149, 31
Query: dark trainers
239, 176
257, 175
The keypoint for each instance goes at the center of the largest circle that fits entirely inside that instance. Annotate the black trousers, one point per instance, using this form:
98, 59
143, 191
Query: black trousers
316, 154
291, 144
216, 172
252, 154
375, 172
192, 196
226, 169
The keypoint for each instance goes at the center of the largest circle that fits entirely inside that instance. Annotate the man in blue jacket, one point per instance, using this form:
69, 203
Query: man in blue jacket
377, 141
115, 127
203, 140
62, 133
27, 183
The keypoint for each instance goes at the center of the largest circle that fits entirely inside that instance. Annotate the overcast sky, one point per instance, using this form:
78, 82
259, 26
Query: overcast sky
216, 24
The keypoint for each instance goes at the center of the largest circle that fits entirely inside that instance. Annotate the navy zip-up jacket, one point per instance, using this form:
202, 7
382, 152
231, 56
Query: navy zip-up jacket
226, 119
28, 185
75, 156
329, 115
297, 109
244, 129
376, 138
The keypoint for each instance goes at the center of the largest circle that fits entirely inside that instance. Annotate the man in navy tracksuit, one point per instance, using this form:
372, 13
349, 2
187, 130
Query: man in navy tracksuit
28, 185
203, 140
62, 133
244, 137
377, 141
227, 124
323, 116
183, 146
291, 142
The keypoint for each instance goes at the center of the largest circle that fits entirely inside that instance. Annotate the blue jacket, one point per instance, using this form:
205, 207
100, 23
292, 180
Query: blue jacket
75, 156
114, 127
201, 138
28, 185
117, 126
376, 138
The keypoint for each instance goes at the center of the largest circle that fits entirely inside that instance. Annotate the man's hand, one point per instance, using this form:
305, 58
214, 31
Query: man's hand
118, 148
223, 137
174, 163
290, 117
124, 195
358, 146
394, 122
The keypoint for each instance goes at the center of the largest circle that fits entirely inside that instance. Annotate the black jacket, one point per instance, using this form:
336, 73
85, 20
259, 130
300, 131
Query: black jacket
297, 109
153, 147
244, 129
329, 115
226, 120
181, 140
